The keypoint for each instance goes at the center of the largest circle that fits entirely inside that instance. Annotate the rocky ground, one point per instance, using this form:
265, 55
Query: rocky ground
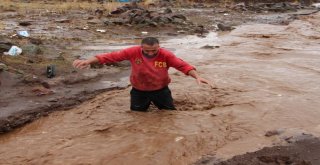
303, 150
58, 37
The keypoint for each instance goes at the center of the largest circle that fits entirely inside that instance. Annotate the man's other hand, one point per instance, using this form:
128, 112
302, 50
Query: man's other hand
205, 81
81, 64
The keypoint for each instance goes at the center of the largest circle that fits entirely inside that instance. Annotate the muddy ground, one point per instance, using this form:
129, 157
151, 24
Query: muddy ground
304, 150
266, 71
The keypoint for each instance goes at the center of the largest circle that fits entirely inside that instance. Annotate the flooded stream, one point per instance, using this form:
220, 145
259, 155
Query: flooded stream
267, 77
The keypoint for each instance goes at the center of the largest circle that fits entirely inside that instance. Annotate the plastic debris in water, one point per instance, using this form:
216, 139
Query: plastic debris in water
316, 5
51, 71
23, 33
145, 33
178, 138
14, 51
101, 30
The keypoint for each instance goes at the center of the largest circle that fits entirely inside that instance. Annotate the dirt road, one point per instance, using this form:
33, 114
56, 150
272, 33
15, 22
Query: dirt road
267, 78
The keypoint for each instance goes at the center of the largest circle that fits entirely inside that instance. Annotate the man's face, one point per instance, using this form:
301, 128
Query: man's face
150, 50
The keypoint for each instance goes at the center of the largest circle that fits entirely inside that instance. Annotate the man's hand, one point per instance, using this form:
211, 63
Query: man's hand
199, 79
81, 64
202, 80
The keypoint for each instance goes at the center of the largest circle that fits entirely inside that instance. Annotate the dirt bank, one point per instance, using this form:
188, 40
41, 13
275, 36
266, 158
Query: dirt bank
303, 151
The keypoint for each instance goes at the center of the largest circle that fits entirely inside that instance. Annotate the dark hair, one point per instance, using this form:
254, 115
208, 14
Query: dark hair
150, 41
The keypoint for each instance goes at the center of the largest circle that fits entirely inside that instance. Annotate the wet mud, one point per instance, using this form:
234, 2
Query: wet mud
302, 152
266, 77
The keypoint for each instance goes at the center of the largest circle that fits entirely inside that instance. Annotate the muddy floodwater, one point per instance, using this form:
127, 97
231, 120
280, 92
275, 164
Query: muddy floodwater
267, 78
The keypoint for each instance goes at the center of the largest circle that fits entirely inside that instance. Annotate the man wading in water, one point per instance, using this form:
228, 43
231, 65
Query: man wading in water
149, 73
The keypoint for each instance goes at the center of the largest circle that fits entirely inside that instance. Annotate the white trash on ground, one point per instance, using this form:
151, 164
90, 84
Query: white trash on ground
14, 51
316, 5
23, 33
101, 30
145, 33
178, 138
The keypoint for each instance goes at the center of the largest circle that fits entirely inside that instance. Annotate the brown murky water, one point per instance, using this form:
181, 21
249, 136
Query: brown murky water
267, 78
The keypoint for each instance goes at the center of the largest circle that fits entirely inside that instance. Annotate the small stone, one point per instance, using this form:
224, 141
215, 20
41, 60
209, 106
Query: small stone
31, 49
30, 79
53, 100
24, 23
39, 91
30, 61
45, 84
208, 47
273, 132
35, 41
3, 67
5, 46
213, 115
167, 11
223, 27
63, 21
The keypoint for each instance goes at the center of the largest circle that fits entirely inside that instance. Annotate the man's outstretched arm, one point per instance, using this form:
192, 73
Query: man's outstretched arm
111, 57
186, 69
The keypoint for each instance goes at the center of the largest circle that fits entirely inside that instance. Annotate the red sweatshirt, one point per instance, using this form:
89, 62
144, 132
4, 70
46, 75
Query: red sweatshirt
147, 74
